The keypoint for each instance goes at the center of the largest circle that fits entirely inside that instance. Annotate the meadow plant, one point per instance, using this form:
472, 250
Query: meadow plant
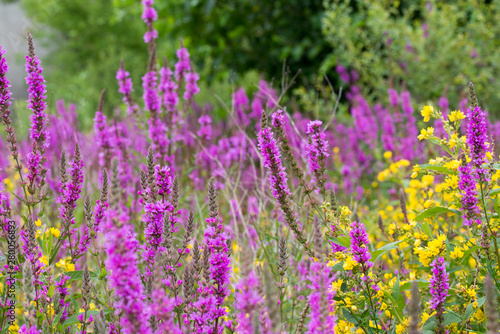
165, 219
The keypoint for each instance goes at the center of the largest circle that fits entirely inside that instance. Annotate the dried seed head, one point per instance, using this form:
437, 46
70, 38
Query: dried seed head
212, 199
380, 224
31, 47
196, 260
333, 202
63, 167
187, 283
472, 95
189, 230
150, 165
104, 191
87, 212
101, 101
144, 180
86, 287
303, 314
78, 157
206, 266
282, 251
263, 120
31, 235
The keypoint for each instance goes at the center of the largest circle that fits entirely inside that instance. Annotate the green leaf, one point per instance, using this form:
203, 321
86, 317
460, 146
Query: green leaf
468, 312
434, 211
494, 192
74, 318
422, 284
430, 323
78, 274
50, 293
343, 241
441, 169
338, 267
481, 301
395, 291
451, 318
426, 228
349, 317
384, 249
54, 253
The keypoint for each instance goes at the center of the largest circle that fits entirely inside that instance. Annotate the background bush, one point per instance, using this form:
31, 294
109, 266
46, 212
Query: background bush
430, 48
433, 48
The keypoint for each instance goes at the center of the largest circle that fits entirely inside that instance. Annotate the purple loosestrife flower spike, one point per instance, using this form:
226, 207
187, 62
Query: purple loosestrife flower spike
63, 292
278, 121
220, 265
150, 95
124, 278
191, 85
247, 303
37, 105
393, 97
5, 102
317, 153
157, 128
359, 245
24, 329
240, 105
439, 291
149, 15
168, 88
476, 140
71, 190
182, 66
126, 88
321, 300
101, 204
271, 158
468, 193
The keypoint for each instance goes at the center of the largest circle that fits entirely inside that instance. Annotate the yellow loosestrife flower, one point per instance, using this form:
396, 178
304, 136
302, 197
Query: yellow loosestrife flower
426, 134
456, 115
426, 113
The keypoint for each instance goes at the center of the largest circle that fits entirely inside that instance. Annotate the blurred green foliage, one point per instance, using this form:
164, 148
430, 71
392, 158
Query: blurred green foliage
251, 34
385, 41
433, 48
88, 39
226, 40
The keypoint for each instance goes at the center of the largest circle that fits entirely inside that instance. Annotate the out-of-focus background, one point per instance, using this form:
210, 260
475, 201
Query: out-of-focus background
430, 48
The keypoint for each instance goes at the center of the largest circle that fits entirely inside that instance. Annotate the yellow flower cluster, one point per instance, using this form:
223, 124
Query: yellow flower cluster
426, 133
393, 170
65, 265
433, 249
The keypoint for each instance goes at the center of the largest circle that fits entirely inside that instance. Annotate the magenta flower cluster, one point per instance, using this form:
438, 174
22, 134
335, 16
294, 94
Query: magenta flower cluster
359, 244
469, 196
